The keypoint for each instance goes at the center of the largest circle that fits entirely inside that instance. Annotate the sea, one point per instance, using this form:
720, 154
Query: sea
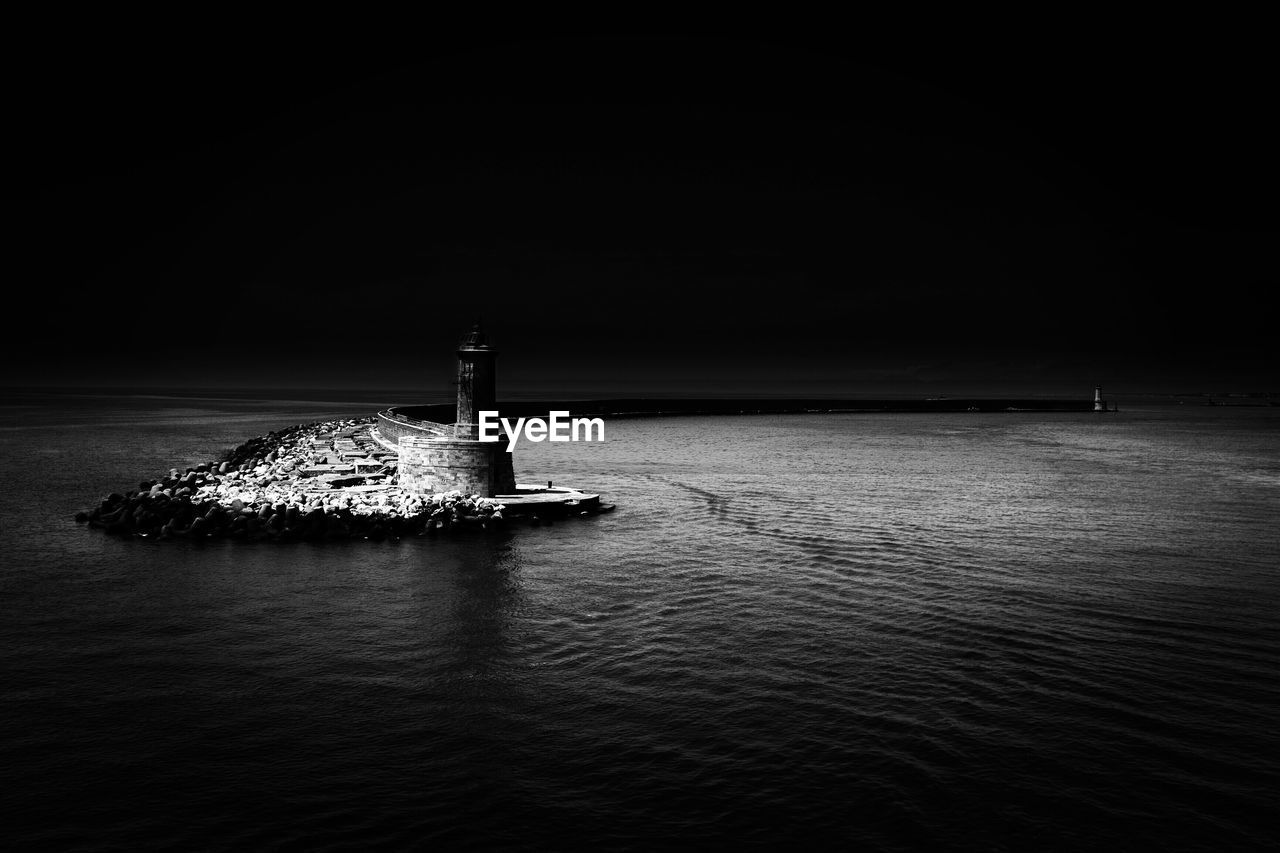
965, 631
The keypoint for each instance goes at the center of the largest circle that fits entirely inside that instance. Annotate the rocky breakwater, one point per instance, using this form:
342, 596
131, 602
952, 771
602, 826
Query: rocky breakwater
328, 480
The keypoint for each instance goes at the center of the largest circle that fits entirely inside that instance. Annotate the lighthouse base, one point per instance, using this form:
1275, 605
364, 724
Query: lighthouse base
435, 465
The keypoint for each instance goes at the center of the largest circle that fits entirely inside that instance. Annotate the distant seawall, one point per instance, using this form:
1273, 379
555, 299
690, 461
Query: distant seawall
655, 407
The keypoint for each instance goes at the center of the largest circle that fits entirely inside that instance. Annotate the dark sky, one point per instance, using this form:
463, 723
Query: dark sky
973, 211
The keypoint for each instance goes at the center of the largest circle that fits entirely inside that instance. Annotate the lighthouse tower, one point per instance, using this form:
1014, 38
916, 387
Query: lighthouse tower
476, 383
1099, 404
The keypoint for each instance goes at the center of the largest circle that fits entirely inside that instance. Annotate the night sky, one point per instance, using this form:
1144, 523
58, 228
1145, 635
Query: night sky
754, 215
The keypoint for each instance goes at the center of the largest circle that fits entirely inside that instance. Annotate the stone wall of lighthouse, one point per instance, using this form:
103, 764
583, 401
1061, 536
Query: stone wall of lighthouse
437, 458
433, 465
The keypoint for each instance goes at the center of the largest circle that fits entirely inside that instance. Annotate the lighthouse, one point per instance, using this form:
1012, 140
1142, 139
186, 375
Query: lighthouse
476, 382
1099, 404
446, 457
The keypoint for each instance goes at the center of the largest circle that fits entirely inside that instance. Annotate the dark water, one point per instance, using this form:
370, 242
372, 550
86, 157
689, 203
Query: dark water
962, 631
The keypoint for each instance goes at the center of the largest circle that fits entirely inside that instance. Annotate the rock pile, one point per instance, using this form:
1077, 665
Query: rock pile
298, 484
145, 514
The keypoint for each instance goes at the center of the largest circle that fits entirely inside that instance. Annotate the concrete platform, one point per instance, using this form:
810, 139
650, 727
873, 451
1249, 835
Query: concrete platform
528, 500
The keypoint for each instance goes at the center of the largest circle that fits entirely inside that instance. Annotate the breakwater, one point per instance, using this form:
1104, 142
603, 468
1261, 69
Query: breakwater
326, 480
